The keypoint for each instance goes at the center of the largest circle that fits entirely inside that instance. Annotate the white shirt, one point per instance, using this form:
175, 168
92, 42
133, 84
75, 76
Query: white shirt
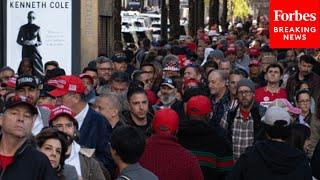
301, 121
38, 124
74, 159
81, 115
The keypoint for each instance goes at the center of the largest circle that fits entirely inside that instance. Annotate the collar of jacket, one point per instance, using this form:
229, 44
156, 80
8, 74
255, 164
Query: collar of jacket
27, 143
255, 109
163, 138
87, 152
306, 78
128, 119
224, 98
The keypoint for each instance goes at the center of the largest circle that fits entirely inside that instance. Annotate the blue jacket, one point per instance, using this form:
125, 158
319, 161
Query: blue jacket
95, 133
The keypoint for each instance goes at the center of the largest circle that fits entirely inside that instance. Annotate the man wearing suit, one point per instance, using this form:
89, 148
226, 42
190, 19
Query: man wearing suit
94, 129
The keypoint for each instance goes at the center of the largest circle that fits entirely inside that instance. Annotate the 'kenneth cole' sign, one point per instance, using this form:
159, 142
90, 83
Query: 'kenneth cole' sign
39, 31
40, 4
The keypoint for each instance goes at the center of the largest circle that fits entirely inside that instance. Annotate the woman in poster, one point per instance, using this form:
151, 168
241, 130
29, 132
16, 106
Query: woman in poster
29, 39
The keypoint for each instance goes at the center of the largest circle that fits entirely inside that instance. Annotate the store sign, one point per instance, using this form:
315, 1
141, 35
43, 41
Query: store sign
41, 29
294, 24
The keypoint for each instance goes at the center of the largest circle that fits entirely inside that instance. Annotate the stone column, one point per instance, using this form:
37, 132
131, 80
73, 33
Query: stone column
88, 31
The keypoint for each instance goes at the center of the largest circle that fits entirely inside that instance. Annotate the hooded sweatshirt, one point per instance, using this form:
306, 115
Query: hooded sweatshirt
211, 148
272, 160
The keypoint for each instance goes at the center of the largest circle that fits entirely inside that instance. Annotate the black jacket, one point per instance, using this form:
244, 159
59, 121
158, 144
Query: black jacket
257, 112
315, 162
95, 133
145, 130
28, 164
212, 150
272, 160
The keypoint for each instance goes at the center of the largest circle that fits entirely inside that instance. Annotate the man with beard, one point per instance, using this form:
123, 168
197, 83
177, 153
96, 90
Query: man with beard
242, 59
105, 68
305, 73
82, 159
138, 114
243, 122
89, 92
93, 72
95, 130
168, 91
118, 84
273, 158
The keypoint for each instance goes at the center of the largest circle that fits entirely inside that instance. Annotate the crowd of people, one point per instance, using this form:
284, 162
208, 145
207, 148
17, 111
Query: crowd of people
221, 105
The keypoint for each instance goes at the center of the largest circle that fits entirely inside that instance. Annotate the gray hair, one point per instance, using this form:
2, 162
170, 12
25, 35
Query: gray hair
103, 59
224, 60
221, 74
113, 99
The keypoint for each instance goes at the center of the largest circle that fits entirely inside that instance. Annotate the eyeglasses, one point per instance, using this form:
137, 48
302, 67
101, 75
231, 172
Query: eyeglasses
105, 69
304, 101
244, 93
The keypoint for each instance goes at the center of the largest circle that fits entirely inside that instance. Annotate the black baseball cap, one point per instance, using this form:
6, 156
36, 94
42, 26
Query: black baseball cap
26, 80
53, 73
168, 82
119, 58
20, 100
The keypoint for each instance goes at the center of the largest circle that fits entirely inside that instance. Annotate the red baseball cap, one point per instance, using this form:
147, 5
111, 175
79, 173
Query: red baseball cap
11, 82
199, 105
187, 82
231, 49
254, 63
62, 110
66, 84
255, 52
165, 121
84, 75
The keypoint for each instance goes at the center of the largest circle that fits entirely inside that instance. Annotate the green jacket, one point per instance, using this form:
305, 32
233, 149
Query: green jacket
90, 168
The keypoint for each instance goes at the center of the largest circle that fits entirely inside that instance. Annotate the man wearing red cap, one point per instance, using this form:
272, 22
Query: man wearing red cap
94, 129
163, 155
213, 151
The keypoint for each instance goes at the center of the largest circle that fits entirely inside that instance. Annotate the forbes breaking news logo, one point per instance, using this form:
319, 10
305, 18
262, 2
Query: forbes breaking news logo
294, 24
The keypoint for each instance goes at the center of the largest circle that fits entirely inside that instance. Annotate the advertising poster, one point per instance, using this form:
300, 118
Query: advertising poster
40, 30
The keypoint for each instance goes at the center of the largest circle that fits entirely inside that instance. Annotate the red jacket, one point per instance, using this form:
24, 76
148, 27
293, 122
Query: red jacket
169, 160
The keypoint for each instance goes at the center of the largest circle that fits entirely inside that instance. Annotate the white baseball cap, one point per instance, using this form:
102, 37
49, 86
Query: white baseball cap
274, 114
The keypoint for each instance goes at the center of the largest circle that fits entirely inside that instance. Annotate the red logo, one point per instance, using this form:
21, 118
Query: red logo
294, 24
